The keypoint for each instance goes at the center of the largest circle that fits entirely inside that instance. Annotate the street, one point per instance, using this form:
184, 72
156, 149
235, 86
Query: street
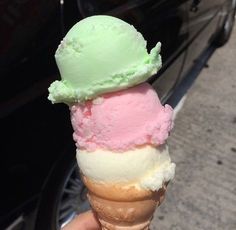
203, 146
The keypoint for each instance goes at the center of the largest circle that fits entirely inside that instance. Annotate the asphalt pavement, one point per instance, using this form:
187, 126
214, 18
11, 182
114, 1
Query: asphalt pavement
203, 146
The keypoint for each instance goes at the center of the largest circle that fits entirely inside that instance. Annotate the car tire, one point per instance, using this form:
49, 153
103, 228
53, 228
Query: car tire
228, 24
63, 198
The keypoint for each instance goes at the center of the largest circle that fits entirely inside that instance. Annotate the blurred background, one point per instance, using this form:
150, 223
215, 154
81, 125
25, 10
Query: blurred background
40, 183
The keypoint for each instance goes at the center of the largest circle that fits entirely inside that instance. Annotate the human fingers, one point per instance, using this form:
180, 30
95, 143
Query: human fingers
84, 221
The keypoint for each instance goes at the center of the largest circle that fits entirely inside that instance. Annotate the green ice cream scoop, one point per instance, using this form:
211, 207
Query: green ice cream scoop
101, 54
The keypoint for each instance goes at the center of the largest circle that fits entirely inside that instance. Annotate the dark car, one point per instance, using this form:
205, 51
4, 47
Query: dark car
40, 184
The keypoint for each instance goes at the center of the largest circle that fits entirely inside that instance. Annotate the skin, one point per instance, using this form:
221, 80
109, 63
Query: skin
84, 221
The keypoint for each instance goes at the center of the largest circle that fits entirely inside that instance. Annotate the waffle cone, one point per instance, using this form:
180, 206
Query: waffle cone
120, 208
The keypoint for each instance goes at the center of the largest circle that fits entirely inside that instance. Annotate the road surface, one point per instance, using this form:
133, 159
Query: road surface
203, 146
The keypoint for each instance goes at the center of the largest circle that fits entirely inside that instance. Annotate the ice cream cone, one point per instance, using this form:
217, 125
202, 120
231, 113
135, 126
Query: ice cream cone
120, 126
122, 207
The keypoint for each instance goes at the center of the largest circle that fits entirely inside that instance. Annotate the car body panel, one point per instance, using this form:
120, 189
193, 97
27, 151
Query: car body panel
203, 25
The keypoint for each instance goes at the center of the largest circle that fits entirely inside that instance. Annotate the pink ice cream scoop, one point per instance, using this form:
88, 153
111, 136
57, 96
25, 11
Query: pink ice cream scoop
122, 120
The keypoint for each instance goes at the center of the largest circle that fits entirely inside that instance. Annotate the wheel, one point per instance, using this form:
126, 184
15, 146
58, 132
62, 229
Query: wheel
226, 30
64, 196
